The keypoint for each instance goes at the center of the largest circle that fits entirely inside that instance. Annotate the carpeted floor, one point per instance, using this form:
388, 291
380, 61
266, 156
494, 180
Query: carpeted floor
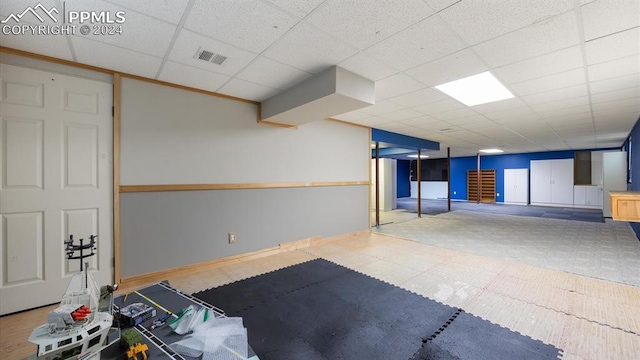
435, 207
608, 251
320, 310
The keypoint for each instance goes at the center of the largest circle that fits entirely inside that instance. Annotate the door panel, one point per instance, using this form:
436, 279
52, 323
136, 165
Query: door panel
56, 181
614, 165
562, 181
540, 181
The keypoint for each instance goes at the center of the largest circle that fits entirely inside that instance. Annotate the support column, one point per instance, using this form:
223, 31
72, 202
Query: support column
478, 173
448, 179
377, 184
419, 185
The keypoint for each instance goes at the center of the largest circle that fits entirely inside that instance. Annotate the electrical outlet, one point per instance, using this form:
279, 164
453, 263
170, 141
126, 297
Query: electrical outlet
232, 237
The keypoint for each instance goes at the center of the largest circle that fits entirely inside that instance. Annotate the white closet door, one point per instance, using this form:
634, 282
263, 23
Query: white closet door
540, 182
522, 186
516, 186
614, 166
510, 193
562, 182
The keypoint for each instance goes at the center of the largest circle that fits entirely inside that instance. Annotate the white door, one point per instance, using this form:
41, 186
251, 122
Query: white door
540, 181
510, 185
562, 182
614, 170
56, 174
522, 186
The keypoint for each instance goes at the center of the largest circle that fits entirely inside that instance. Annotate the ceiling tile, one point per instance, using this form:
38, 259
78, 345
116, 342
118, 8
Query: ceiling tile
271, 73
630, 93
246, 90
55, 46
167, 10
381, 107
372, 121
550, 82
364, 23
188, 76
615, 68
294, 49
563, 104
455, 114
613, 46
604, 17
249, 24
139, 32
553, 63
451, 67
428, 40
439, 106
420, 97
575, 118
396, 85
556, 95
478, 21
541, 38
188, 43
465, 120
297, 8
115, 58
401, 115
556, 112
617, 105
622, 82
421, 120
368, 67
521, 114
352, 116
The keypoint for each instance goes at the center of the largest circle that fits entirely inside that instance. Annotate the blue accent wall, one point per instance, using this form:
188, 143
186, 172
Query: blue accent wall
635, 166
403, 171
460, 166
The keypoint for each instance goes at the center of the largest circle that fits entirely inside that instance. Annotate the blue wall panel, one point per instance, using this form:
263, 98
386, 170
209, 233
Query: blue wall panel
460, 166
635, 167
403, 175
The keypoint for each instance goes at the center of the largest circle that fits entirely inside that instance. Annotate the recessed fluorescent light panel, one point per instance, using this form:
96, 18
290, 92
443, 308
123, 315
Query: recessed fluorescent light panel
416, 156
491, 151
476, 89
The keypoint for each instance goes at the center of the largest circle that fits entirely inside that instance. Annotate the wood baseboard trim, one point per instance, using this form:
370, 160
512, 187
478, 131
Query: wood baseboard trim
193, 187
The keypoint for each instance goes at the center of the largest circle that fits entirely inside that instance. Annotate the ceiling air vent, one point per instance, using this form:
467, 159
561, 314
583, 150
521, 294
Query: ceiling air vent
209, 56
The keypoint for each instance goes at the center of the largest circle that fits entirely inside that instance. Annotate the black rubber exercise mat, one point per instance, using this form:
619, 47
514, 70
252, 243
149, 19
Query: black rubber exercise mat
320, 310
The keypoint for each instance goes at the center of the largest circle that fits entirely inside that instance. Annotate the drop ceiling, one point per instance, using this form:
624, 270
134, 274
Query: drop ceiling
573, 65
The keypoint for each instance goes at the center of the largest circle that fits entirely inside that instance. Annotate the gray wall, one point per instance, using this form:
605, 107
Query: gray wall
169, 229
173, 136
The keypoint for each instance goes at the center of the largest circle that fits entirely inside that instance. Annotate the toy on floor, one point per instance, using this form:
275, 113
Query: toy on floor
159, 322
136, 349
131, 339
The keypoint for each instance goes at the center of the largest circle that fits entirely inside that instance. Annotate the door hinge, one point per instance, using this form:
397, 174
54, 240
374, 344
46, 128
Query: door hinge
113, 111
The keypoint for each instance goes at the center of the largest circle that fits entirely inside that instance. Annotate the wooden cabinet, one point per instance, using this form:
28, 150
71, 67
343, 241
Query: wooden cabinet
516, 186
625, 205
552, 182
487, 190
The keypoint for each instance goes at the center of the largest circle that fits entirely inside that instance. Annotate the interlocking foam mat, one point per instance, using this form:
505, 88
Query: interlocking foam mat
320, 310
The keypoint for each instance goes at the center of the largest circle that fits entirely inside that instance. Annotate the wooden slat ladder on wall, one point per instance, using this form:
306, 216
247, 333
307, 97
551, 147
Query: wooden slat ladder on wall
487, 191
